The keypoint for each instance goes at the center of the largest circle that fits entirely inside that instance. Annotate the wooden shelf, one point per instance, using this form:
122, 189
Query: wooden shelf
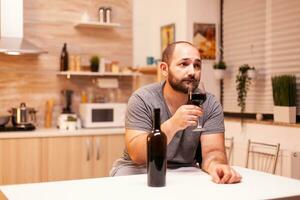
95, 24
151, 70
87, 73
147, 70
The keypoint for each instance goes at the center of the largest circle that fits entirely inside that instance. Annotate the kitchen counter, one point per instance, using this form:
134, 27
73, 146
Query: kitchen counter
54, 132
183, 183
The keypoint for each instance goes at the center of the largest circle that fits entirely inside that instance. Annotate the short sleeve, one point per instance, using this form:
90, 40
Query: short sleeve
138, 114
214, 117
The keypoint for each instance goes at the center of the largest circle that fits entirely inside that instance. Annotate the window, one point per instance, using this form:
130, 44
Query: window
264, 34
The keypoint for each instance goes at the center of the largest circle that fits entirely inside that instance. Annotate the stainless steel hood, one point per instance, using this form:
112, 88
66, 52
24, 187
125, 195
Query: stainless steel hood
11, 37
18, 46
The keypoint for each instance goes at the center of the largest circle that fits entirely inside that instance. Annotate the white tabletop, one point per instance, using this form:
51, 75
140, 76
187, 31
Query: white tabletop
184, 184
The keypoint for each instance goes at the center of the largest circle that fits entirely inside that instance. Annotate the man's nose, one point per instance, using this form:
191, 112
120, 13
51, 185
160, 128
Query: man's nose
191, 69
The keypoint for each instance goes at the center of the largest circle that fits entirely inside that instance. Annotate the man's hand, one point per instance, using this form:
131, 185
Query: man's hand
222, 173
186, 115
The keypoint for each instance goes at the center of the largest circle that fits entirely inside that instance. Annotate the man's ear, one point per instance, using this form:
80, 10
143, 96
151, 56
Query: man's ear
164, 68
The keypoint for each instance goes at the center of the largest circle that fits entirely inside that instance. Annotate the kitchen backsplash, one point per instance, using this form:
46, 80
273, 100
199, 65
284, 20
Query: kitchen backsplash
34, 80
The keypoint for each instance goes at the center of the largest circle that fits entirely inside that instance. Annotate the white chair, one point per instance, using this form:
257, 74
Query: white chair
262, 156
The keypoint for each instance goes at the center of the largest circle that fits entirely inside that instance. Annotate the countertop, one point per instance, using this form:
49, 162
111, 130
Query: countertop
183, 183
54, 132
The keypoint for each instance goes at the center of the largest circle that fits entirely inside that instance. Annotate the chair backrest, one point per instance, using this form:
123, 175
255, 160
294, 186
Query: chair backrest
262, 156
229, 147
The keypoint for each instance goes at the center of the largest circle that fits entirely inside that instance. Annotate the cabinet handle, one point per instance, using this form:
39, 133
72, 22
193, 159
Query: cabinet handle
88, 147
98, 149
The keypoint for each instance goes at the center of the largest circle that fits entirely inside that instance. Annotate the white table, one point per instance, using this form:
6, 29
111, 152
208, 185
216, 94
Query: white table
183, 184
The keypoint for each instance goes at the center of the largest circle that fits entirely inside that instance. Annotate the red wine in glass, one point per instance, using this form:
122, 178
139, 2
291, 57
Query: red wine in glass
197, 98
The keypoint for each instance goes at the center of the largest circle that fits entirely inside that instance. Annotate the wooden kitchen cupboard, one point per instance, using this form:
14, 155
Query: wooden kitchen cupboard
80, 157
29, 160
20, 160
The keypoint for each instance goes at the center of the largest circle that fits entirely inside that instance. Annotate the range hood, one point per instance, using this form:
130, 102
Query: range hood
11, 32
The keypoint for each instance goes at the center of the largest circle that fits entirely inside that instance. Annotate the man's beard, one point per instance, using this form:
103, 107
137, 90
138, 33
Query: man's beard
183, 85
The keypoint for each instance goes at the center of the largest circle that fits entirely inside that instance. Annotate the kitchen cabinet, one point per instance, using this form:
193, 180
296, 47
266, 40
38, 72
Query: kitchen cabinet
81, 157
115, 148
67, 158
27, 160
20, 160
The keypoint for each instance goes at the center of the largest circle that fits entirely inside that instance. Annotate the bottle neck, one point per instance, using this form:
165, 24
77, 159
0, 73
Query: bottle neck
65, 47
156, 121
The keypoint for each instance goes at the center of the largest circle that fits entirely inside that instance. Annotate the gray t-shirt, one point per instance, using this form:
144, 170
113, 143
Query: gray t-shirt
182, 148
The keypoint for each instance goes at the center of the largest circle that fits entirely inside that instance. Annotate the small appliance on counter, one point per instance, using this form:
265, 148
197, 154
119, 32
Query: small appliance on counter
22, 118
102, 115
68, 120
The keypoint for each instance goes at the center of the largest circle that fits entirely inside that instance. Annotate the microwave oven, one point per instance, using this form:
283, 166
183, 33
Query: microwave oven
102, 115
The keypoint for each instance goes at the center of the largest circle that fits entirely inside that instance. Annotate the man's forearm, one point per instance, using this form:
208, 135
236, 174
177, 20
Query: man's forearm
214, 157
168, 128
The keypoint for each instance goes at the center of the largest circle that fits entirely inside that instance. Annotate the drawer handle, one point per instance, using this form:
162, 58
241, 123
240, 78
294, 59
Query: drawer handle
98, 149
88, 152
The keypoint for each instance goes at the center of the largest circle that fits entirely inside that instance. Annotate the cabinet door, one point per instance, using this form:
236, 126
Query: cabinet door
20, 160
100, 156
115, 148
67, 158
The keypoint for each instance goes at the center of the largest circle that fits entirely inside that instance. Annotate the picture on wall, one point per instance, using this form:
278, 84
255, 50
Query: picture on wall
167, 35
204, 38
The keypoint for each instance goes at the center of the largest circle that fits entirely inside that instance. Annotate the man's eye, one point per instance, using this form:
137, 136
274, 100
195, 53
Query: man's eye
184, 64
197, 65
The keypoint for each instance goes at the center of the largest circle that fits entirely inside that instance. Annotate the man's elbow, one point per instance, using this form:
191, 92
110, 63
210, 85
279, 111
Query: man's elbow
136, 158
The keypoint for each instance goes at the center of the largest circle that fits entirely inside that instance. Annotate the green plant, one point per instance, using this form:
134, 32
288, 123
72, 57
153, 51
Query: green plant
220, 65
284, 90
94, 60
243, 82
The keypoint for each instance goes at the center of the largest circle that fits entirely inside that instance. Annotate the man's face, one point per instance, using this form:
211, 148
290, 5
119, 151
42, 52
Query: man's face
184, 68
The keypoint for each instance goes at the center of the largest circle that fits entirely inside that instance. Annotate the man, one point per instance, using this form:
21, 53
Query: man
181, 65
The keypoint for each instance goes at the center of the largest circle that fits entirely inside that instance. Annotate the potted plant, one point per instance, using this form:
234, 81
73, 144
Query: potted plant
243, 82
219, 69
94, 62
284, 97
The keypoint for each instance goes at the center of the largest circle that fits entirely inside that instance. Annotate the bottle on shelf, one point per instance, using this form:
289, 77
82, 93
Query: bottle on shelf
156, 154
64, 59
101, 14
108, 15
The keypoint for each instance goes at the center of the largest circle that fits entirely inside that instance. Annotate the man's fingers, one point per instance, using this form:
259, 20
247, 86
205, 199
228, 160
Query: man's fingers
192, 118
191, 123
227, 175
215, 177
235, 177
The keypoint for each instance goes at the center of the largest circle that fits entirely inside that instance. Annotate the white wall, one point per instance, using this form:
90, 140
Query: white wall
149, 16
205, 11
288, 137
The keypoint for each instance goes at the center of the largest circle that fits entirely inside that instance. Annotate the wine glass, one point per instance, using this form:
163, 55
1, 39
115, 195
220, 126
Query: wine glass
197, 97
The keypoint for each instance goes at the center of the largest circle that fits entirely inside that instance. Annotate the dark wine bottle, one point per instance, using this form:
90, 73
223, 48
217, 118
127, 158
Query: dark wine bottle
156, 154
64, 58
